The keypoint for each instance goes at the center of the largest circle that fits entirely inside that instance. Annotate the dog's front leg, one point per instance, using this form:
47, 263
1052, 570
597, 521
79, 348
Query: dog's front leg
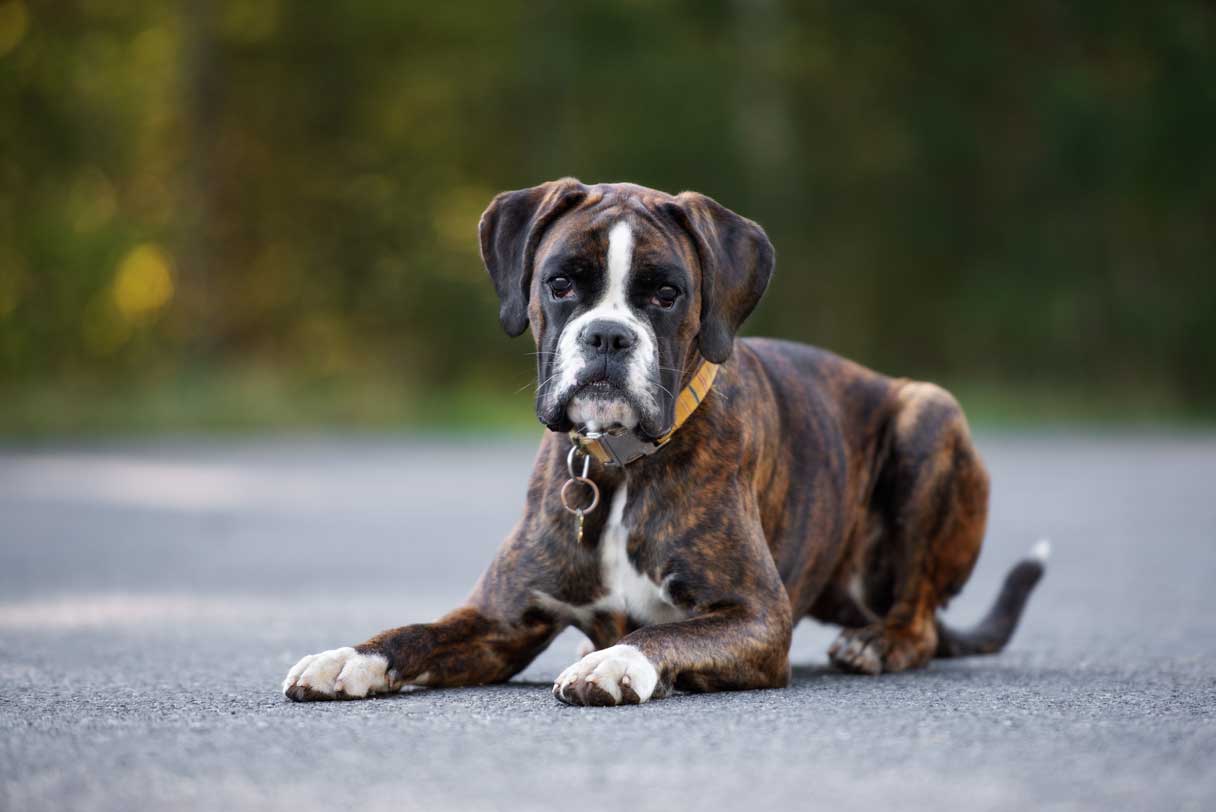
465, 647
736, 635
490, 639
732, 649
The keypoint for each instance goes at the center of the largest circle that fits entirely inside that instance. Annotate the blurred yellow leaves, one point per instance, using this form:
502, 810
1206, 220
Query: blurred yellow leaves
142, 286
14, 20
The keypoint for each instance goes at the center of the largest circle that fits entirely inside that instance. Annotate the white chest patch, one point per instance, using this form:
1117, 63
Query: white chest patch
628, 591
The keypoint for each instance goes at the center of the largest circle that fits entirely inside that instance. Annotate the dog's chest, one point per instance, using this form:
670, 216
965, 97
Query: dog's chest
629, 592
626, 591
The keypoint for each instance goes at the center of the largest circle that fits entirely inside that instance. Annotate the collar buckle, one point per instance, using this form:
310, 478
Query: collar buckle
617, 448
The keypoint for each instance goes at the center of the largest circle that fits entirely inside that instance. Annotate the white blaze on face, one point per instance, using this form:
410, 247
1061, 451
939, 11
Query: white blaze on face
613, 305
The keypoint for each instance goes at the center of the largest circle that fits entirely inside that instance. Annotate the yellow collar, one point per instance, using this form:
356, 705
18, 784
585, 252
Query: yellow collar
622, 449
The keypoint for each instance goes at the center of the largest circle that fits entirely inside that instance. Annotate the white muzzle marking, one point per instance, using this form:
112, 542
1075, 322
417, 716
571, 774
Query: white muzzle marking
596, 412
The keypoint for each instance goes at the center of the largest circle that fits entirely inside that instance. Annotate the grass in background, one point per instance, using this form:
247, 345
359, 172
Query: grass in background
254, 400
994, 406
266, 400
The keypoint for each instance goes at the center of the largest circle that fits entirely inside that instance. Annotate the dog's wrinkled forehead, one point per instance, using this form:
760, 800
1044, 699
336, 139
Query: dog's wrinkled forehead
582, 239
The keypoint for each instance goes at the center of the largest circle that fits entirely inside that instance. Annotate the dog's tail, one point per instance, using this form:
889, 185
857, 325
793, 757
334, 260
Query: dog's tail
992, 633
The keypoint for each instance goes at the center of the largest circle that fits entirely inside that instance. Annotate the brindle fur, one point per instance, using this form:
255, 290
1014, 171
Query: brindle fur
803, 485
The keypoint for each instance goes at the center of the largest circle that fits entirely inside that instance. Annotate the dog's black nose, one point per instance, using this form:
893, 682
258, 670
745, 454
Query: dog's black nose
607, 336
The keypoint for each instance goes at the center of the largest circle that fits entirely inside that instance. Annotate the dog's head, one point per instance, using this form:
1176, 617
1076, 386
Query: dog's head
623, 287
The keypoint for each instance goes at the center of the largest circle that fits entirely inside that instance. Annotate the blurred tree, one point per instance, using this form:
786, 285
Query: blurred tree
1021, 196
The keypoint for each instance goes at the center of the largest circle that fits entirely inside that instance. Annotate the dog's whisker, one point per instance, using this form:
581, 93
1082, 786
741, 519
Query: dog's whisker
548, 380
535, 386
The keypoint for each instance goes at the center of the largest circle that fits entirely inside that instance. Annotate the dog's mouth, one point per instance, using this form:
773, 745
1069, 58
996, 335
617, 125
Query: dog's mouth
601, 401
602, 405
601, 390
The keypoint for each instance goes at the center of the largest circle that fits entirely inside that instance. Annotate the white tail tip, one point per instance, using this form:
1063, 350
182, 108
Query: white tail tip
1041, 551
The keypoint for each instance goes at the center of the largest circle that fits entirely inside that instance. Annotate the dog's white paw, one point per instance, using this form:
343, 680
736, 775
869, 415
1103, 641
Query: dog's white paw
619, 675
341, 673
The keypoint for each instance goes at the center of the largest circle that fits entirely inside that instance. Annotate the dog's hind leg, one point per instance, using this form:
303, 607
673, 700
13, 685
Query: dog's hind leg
931, 496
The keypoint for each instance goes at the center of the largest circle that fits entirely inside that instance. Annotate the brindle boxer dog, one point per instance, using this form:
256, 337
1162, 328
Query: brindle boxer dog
796, 483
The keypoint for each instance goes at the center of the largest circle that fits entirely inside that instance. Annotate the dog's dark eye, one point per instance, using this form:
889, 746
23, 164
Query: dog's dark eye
561, 287
665, 297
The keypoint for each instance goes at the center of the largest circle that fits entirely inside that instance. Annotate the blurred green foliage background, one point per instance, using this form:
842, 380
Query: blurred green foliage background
254, 213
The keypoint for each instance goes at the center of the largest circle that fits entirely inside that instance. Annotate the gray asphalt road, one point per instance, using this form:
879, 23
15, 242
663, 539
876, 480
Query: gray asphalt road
153, 595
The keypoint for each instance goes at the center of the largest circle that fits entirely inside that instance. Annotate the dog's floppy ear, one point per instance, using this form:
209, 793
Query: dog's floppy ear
510, 230
736, 264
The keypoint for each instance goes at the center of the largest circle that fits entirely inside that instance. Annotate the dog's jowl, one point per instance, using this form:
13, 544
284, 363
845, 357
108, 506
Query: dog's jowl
740, 485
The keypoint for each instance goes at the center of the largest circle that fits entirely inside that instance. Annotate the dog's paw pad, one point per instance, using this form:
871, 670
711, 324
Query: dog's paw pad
619, 675
340, 673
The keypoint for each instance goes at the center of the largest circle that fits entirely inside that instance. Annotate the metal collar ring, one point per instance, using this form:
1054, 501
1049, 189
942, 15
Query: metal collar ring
595, 495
